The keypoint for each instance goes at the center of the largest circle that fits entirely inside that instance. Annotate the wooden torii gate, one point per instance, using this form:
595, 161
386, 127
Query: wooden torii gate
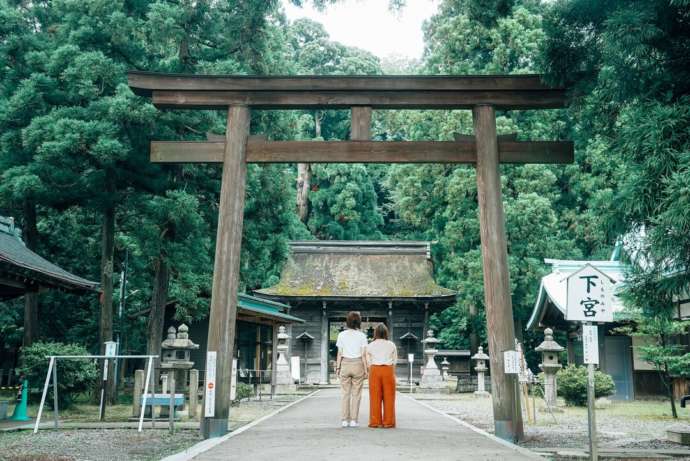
482, 94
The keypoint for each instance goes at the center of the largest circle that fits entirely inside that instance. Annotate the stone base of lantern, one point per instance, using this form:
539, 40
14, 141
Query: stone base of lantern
482, 394
432, 381
284, 382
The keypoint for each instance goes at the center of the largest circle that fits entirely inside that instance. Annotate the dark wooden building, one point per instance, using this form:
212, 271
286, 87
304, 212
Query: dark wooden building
389, 282
23, 272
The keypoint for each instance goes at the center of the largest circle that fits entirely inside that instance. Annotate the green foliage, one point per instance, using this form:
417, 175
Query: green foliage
244, 391
74, 376
572, 385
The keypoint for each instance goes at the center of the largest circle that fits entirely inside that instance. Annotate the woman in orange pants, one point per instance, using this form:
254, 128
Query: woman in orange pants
381, 358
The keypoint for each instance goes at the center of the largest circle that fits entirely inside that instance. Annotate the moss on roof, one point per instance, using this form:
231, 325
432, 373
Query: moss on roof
349, 269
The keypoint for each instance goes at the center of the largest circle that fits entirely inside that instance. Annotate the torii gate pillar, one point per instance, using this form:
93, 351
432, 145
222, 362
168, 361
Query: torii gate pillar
226, 267
499, 307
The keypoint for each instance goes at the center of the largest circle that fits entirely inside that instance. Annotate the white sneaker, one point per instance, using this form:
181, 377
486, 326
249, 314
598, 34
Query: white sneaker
353, 424
345, 424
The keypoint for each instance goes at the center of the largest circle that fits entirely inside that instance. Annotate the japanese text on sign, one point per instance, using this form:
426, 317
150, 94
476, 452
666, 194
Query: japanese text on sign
210, 389
589, 296
511, 362
590, 344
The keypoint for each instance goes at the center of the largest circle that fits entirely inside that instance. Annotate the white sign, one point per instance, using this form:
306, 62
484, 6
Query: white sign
295, 367
511, 362
590, 344
589, 296
210, 388
410, 358
233, 380
110, 348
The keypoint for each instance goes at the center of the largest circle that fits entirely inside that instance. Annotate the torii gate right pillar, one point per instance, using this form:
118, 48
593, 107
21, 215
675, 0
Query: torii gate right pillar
499, 308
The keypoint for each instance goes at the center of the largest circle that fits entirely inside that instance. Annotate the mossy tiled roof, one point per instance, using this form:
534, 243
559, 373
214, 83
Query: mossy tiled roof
27, 268
358, 269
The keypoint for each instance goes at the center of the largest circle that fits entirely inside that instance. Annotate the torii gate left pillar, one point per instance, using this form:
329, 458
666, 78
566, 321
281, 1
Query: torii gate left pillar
226, 267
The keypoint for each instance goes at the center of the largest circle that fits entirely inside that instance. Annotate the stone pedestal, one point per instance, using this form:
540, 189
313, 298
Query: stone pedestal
431, 375
284, 381
193, 392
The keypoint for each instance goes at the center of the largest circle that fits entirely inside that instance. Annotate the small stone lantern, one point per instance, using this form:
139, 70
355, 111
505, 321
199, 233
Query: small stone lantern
177, 348
445, 365
550, 351
480, 357
431, 376
284, 382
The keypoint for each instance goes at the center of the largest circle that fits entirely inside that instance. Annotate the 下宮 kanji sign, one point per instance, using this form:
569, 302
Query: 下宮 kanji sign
589, 296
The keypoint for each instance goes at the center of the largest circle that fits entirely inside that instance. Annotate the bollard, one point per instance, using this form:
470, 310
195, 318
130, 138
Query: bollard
20, 411
193, 392
136, 395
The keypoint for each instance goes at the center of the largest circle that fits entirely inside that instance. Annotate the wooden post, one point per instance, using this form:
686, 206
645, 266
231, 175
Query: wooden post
193, 392
56, 415
360, 129
324, 343
389, 318
171, 406
274, 357
136, 394
499, 308
221, 331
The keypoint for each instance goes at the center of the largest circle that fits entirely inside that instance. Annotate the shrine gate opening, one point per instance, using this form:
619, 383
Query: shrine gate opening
238, 95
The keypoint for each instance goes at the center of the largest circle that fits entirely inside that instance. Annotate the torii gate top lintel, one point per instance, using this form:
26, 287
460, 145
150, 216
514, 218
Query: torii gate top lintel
238, 95
375, 91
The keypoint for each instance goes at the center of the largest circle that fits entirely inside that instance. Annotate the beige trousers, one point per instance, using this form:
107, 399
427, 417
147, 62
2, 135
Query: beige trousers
351, 382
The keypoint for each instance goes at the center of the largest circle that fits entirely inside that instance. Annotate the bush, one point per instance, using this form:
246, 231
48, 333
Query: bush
74, 376
243, 391
572, 385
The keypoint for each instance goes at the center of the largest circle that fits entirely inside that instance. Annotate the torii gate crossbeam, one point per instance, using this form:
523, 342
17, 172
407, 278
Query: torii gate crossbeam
482, 94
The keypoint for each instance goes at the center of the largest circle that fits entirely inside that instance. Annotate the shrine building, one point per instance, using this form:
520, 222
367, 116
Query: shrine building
386, 281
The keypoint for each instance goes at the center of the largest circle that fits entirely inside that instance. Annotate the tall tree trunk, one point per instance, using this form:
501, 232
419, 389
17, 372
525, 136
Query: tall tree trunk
159, 299
304, 176
303, 185
474, 337
105, 332
31, 297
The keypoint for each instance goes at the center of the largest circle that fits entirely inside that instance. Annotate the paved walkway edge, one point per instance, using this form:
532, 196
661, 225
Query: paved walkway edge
206, 445
469, 426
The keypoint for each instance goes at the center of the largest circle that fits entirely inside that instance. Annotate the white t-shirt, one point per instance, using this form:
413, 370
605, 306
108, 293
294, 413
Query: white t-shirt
382, 352
351, 342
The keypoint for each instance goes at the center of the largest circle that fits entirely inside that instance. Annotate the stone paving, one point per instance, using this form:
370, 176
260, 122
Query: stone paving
311, 430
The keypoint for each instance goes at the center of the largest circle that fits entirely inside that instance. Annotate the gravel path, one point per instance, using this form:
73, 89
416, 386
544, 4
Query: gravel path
119, 444
89, 444
622, 425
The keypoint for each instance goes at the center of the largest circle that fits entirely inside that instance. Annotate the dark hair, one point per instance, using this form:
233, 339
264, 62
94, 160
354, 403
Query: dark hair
381, 332
354, 320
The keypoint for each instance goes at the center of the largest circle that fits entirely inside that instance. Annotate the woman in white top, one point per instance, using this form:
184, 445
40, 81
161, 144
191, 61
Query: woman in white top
381, 357
350, 368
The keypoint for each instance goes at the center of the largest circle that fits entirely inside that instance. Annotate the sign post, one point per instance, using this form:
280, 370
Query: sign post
210, 388
589, 301
410, 361
110, 351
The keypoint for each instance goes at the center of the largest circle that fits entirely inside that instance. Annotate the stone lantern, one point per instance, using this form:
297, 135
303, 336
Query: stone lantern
284, 382
445, 365
550, 364
177, 349
480, 367
431, 376
176, 357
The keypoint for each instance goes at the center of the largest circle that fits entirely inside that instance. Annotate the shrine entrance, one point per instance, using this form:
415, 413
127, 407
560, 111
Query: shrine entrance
361, 94
335, 326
